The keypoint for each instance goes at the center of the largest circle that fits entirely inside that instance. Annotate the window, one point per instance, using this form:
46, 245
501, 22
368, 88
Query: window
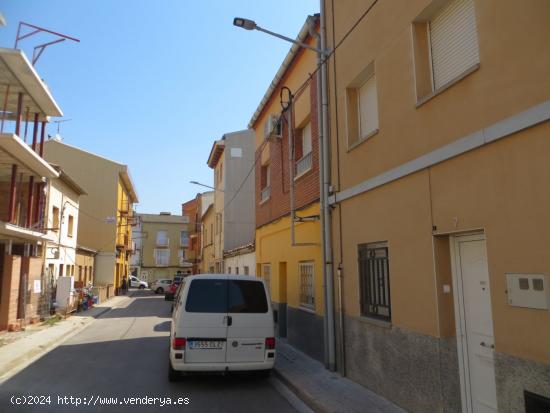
162, 257
229, 270
374, 281
55, 218
453, 41
184, 238
266, 275
181, 256
207, 296
70, 226
304, 149
162, 238
246, 270
226, 296
265, 181
362, 106
445, 46
237, 270
367, 108
307, 285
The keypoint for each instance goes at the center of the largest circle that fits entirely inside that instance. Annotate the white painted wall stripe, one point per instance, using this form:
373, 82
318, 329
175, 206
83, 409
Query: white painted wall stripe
506, 127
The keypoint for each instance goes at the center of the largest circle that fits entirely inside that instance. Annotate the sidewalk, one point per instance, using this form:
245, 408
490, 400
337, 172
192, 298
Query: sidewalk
324, 391
19, 353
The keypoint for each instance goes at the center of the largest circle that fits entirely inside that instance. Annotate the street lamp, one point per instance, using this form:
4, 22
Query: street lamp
324, 164
206, 186
248, 24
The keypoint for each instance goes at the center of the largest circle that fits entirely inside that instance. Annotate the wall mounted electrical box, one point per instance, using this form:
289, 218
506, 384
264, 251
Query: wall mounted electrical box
528, 290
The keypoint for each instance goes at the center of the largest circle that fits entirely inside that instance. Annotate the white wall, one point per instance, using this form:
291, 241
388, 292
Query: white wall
63, 250
241, 261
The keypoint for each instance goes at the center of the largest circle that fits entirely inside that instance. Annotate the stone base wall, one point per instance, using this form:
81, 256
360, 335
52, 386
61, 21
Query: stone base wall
305, 332
513, 376
417, 372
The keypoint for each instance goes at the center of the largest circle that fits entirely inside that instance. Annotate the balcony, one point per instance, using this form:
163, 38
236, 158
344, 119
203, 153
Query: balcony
265, 194
304, 164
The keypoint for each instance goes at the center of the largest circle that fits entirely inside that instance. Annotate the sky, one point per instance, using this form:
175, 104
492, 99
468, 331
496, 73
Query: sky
153, 84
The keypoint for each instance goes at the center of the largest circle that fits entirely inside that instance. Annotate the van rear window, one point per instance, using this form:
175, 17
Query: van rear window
246, 297
226, 296
207, 296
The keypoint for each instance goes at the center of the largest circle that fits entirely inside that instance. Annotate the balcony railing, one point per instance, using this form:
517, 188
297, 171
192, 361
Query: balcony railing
163, 242
264, 195
304, 164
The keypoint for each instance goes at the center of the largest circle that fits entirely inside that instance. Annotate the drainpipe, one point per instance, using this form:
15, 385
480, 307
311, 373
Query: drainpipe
325, 207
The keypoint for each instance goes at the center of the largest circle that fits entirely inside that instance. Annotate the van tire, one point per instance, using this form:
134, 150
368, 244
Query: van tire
142, 287
159, 290
173, 375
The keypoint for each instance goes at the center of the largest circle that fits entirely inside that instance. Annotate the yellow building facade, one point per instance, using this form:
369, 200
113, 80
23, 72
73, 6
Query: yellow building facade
207, 238
439, 162
105, 212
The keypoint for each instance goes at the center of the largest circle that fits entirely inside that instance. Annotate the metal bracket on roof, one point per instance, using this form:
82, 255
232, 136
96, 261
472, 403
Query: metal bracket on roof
38, 50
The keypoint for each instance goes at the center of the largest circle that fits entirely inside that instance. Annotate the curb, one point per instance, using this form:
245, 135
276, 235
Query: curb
303, 395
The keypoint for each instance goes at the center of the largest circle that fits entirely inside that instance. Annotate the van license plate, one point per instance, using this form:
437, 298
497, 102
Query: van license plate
205, 345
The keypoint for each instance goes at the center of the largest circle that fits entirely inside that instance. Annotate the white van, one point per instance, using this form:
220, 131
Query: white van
222, 323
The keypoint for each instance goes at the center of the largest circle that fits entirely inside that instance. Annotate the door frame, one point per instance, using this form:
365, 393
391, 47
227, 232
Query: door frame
460, 321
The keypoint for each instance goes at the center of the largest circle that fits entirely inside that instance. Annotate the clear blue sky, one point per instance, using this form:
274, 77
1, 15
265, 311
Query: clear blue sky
152, 84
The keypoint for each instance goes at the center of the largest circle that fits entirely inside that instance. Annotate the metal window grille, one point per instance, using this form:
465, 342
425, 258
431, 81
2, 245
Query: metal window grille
307, 287
266, 275
374, 280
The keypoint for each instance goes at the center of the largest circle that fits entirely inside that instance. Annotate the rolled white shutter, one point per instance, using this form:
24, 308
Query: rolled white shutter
454, 44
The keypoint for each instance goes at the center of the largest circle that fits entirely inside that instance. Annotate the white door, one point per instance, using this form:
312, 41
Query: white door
474, 324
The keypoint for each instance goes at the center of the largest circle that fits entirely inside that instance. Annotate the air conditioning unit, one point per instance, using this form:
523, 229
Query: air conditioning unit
272, 127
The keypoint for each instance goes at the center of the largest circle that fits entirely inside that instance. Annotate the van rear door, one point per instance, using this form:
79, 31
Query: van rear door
251, 321
203, 321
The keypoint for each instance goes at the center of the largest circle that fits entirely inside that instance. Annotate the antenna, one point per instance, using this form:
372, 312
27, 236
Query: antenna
38, 50
60, 121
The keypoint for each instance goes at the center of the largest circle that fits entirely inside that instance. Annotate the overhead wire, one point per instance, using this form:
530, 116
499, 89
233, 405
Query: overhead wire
300, 89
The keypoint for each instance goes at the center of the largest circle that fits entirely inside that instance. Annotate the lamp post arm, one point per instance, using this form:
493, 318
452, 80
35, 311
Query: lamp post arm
288, 39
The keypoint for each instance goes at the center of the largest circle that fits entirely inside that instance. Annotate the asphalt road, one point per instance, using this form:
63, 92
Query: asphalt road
124, 354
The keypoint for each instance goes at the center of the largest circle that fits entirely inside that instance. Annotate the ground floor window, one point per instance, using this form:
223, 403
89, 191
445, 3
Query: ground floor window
374, 280
266, 275
307, 284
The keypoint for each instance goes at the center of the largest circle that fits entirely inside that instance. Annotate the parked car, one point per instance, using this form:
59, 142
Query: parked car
176, 297
222, 323
170, 294
161, 286
137, 283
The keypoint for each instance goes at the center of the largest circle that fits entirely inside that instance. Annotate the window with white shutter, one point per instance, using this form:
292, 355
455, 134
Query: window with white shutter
453, 41
367, 108
362, 107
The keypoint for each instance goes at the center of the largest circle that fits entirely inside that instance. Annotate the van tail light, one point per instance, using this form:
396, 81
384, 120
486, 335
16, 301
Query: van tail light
179, 343
270, 343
